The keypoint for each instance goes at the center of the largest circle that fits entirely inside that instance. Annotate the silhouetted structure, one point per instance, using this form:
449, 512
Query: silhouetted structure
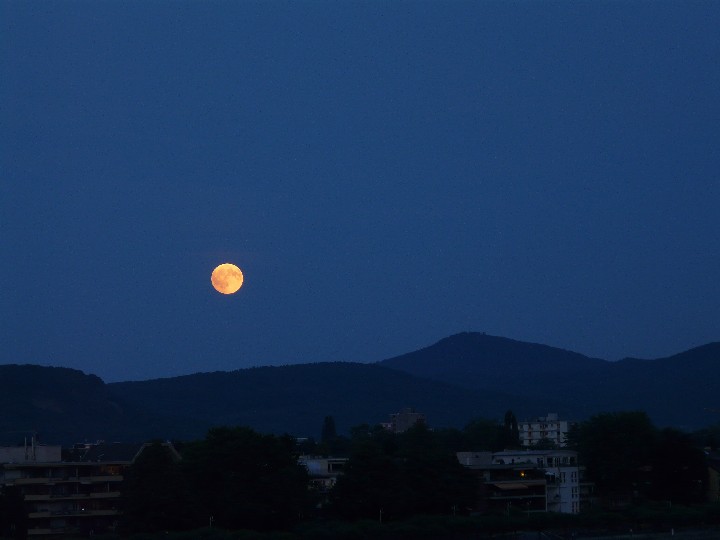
404, 420
72, 491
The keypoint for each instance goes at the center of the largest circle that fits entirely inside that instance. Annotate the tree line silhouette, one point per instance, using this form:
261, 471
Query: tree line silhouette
238, 479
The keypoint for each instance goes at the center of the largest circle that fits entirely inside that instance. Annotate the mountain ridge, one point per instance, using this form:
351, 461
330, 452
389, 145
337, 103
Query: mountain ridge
452, 381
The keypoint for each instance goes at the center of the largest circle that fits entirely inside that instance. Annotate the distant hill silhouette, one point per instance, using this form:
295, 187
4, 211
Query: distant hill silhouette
680, 390
60, 404
475, 360
459, 378
296, 398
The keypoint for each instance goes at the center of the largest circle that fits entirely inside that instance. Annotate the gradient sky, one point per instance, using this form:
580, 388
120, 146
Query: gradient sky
385, 173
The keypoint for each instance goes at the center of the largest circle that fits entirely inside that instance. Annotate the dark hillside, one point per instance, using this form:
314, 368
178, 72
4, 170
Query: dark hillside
62, 406
476, 360
475, 376
680, 390
295, 399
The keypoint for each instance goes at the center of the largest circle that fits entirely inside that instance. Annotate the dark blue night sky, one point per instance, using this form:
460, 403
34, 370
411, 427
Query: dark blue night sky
385, 174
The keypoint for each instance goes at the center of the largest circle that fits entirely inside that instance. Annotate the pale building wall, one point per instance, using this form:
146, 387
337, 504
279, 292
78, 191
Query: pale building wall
30, 453
544, 427
562, 473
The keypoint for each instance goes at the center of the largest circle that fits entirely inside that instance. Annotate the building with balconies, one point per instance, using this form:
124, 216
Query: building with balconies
527, 480
76, 491
544, 428
562, 475
505, 488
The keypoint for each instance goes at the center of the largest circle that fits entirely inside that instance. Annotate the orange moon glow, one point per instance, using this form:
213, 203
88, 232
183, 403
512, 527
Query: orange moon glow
227, 278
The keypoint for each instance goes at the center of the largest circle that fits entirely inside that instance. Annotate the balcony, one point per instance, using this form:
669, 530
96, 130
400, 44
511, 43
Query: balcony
105, 495
40, 532
37, 531
98, 479
502, 496
72, 496
40, 514
51, 481
28, 481
98, 512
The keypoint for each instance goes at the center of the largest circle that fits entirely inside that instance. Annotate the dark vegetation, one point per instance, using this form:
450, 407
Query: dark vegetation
461, 377
290, 399
13, 519
235, 478
240, 484
406, 485
661, 471
625, 453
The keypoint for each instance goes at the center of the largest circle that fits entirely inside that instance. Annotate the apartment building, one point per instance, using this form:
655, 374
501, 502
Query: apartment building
75, 491
547, 428
562, 475
506, 487
404, 420
323, 471
527, 480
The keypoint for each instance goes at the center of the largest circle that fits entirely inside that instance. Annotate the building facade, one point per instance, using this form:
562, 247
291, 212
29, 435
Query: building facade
562, 475
323, 471
544, 428
506, 488
75, 491
527, 480
404, 420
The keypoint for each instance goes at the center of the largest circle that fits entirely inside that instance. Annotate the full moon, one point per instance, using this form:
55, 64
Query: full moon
227, 278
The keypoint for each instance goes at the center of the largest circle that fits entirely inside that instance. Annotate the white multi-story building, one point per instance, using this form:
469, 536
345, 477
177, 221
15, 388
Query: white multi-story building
548, 427
562, 475
323, 471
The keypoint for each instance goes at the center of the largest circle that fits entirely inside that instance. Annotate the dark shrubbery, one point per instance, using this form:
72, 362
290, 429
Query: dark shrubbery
402, 486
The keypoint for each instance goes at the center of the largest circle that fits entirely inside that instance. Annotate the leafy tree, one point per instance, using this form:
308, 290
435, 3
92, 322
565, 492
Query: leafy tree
483, 434
510, 437
155, 495
369, 484
545, 444
437, 482
707, 437
617, 449
679, 471
328, 430
401, 475
245, 480
451, 440
376, 435
332, 444
13, 516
